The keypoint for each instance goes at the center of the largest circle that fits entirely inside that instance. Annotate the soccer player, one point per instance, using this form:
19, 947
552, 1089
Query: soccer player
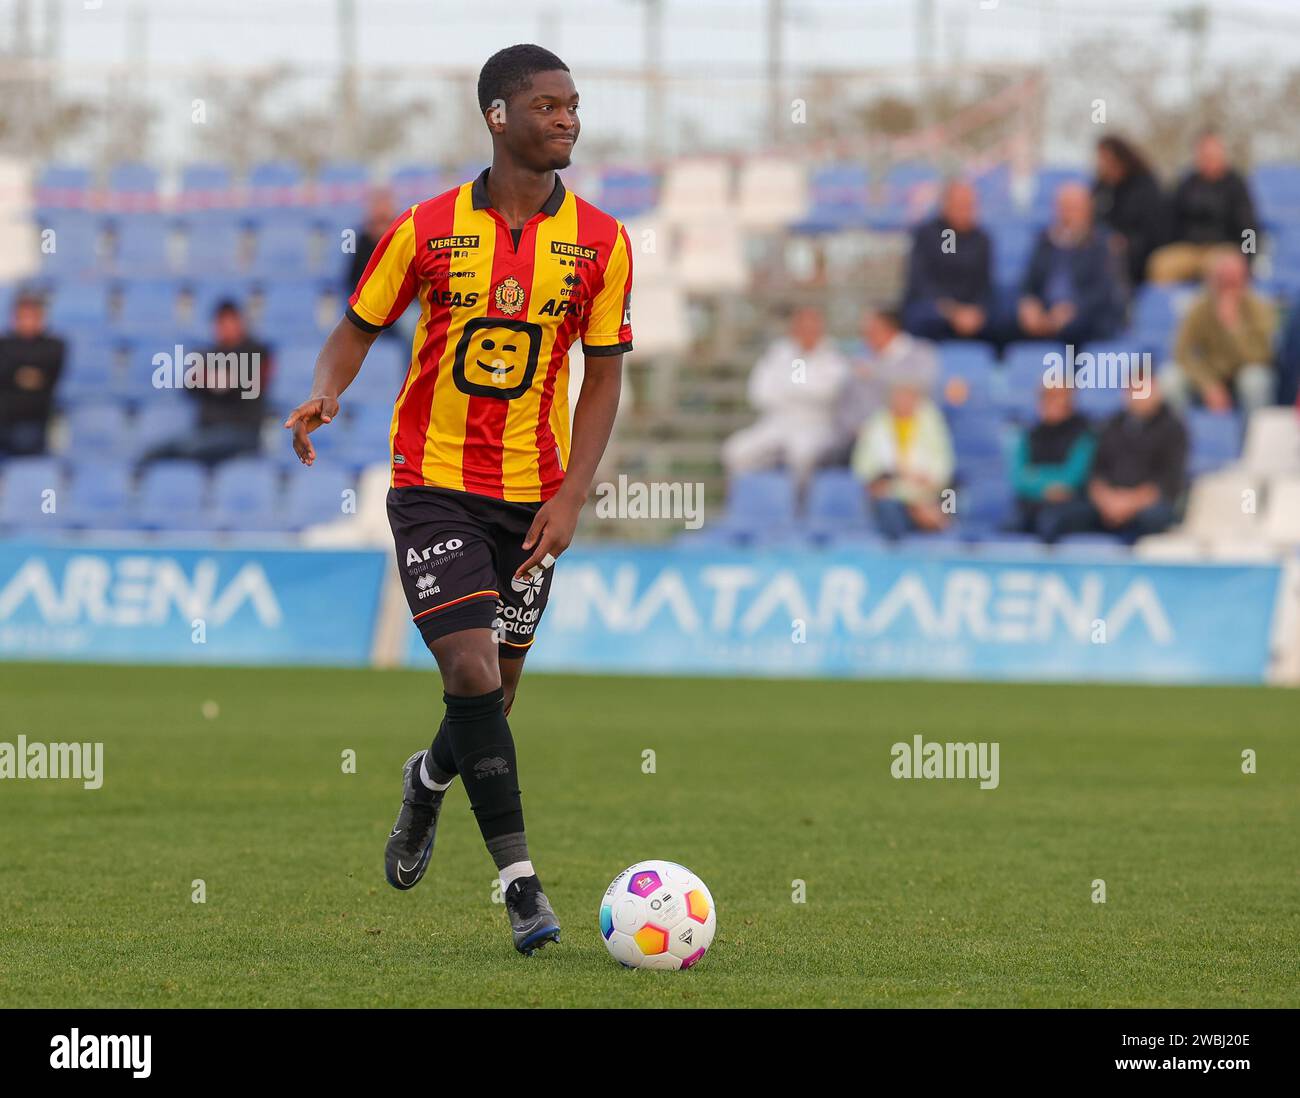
509, 271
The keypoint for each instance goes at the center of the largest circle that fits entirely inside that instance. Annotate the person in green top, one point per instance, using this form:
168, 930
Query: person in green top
1050, 467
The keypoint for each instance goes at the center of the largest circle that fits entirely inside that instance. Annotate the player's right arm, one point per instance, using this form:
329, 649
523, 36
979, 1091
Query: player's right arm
382, 295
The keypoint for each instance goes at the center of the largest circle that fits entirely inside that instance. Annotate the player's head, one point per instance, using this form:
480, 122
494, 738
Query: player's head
530, 105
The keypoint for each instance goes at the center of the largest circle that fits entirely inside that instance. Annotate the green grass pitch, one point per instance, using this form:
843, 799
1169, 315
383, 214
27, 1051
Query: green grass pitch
918, 893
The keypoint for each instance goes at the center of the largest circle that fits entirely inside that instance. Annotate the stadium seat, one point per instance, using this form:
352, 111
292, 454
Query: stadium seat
98, 496
172, 497
202, 184
905, 196
100, 431
696, 190
773, 193
290, 307
411, 183
214, 246
24, 503
1219, 507
977, 434
837, 503
1273, 441
627, 193
79, 305
1214, 440
1025, 366
1281, 525
273, 183
159, 421
974, 365
148, 309
63, 187
840, 199
282, 249
1047, 183
712, 258
245, 496
759, 501
984, 500
314, 495
135, 183
88, 374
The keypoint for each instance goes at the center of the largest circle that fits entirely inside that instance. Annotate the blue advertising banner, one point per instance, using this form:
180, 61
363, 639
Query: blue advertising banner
165, 605
876, 614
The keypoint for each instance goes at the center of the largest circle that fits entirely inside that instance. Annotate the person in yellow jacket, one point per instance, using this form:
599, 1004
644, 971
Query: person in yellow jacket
904, 456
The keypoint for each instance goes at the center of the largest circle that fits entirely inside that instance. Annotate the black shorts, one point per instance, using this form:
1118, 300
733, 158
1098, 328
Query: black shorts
457, 553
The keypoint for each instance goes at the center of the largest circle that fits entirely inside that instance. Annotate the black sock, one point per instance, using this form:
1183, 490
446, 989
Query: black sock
484, 751
439, 762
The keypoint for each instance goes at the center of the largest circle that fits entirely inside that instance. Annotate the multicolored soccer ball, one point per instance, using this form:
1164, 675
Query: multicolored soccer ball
657, 915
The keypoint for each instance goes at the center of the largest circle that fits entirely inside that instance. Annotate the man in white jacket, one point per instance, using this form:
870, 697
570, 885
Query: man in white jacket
795, 387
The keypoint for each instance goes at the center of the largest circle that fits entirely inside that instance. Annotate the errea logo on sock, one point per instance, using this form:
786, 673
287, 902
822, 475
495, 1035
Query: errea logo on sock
492, 766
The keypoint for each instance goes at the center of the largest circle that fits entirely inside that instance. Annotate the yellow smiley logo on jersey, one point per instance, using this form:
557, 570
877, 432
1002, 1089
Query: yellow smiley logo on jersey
496, 358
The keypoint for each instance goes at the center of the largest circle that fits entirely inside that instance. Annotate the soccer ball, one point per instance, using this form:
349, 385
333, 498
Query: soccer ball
657, 915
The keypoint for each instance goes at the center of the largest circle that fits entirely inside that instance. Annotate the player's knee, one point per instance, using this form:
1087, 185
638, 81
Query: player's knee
469, 672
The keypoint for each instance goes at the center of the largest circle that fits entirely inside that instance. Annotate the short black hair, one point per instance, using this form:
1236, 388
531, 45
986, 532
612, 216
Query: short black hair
507, 72
226, 305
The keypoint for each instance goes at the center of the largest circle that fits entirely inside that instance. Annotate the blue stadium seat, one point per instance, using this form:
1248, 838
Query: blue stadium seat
161, 420
906, 195
148, 309
1214, 440
627, 193
209, 292
88, 374
985, 500
79, 305
977, 434
132, 179
840, 199
98, 496
315, 495
972, 363
98, 431
289, 307
172, 497
282, 249
760, 502
74, 250
24, 504
1048, 182
411, 183
70, 181
1277, 193
363, 436
246, 495
1013, 243
837, 503
201, 178
214, 245
295, 364
140, 244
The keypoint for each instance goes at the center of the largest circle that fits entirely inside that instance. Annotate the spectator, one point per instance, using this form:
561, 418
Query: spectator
231, 397
1211, 206
1126, 199
1225, 343
796, 389
1050, 465
31, 361
949, 290
1137, 475
892, 356
904, 456
1070, 291
379, 216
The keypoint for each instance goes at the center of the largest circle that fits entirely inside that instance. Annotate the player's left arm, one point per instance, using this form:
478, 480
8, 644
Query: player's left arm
606, 337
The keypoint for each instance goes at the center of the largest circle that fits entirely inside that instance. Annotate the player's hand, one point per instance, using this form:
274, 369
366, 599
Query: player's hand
304, 419
550, 533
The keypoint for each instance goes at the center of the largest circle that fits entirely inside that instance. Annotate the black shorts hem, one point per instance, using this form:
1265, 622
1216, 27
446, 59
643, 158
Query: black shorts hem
473, 613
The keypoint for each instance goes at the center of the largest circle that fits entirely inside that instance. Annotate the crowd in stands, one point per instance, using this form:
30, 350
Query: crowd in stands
888, 409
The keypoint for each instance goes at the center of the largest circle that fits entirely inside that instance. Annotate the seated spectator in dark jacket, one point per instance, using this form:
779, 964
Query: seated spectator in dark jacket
1138, 473
1127, 200
1070, 291
231, 398
949, 273
1210, 207
31, 360
1051, 462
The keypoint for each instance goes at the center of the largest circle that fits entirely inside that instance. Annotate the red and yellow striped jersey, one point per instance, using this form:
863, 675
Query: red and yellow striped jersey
484, 407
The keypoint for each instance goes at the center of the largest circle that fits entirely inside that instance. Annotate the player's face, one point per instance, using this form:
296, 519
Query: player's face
541, 125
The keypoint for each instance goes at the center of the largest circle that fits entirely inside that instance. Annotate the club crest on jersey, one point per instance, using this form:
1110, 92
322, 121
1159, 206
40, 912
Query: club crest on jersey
509, 296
